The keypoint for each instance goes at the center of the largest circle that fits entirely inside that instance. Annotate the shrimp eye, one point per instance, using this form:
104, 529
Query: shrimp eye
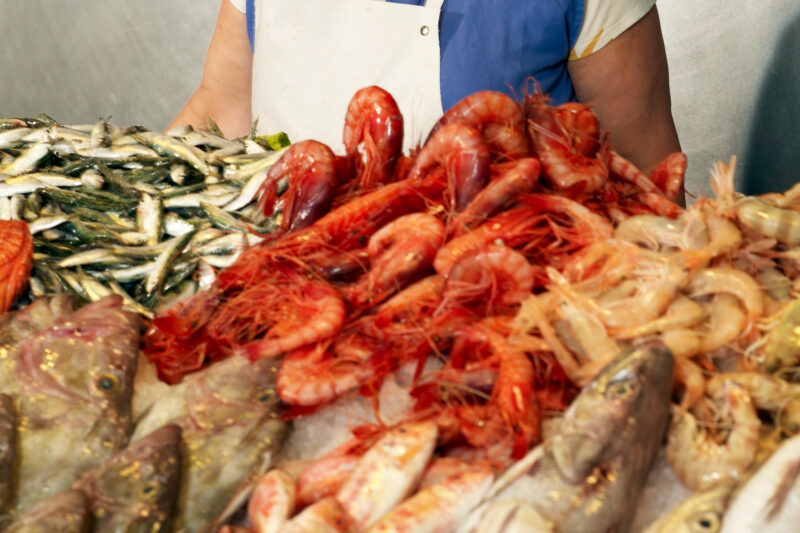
794, 427
706, 522
107, 382
150, 489
267, 396
622, 389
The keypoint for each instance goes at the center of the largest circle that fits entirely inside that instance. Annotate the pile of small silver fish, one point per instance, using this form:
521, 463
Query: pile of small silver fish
130, 211
76, 455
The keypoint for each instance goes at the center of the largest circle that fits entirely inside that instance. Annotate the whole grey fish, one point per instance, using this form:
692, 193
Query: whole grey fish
136, 490
701, 511
588, 475
74, 404
231, 434
18, 325
8, 449
66, 512
769, 501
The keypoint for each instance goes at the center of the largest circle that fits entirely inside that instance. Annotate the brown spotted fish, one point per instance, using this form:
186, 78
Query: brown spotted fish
136, 490
19, 325
231, 434
74, 404
8, 450
66, 512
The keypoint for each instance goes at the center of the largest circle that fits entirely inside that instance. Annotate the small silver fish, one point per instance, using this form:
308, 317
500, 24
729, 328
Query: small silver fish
74, 403
66, 512
136, 490
588, 475
231, 433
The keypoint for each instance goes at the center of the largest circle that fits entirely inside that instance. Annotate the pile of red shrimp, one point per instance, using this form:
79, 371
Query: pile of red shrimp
383, 259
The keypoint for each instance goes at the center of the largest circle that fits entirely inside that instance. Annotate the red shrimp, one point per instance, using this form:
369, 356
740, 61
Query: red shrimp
524, 225
519, 177
400, 252
626, 170
316, 374
497, 116
511, 416
279, 318
16, 259
373, 136
495, 276
264, 320
461, 151
311, 171
343, 230
660, 205
581, 127
669, 174
407, 311
564, 166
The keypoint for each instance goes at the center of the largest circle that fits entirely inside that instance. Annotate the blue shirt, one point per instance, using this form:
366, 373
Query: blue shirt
501, 45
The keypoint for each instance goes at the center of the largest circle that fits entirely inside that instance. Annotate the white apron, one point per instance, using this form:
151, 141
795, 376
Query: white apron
311, 56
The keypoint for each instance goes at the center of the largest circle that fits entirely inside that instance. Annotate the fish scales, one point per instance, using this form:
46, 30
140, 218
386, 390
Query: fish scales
66, 512
231, 432
18, 325
136, 489
74, 402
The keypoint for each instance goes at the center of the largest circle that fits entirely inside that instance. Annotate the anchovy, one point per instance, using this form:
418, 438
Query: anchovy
11, 137
32, 182
29, 159
149, 218
173, 147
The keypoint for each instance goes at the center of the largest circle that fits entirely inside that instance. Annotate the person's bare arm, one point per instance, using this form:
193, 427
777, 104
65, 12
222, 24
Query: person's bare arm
627, 84
224, 92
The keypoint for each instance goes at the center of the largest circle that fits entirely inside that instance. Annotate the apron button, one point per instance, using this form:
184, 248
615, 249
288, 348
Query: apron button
424, 31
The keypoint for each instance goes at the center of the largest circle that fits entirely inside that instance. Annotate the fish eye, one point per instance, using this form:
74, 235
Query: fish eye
150, 489
107, 382
706, 522
622, 389
267, 396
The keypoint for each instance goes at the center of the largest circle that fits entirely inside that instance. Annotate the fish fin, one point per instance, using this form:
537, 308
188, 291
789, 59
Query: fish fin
242, 494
